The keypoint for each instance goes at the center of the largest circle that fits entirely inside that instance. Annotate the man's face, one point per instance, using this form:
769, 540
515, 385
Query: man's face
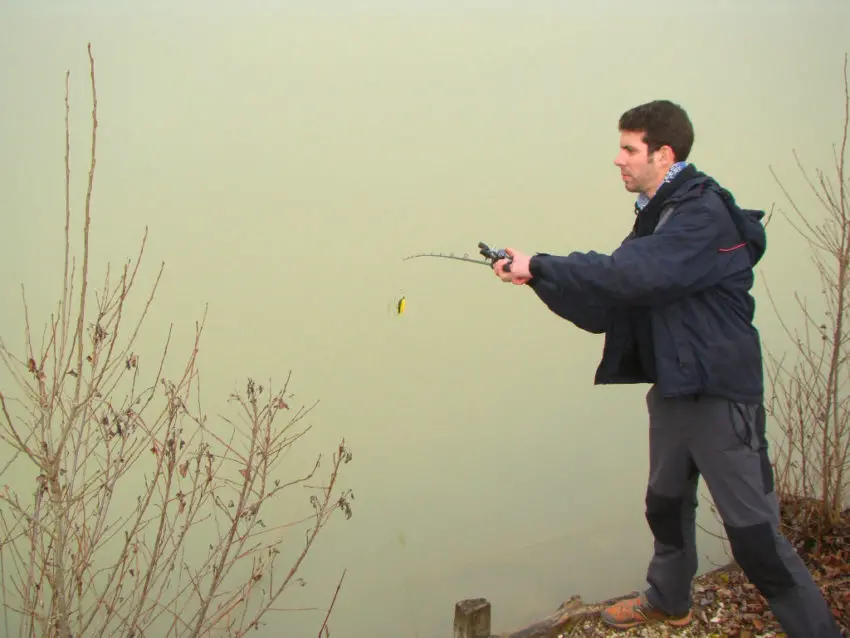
641, 172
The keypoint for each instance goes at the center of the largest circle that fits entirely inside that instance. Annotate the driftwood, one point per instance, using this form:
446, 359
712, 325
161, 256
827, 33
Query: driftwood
561, 622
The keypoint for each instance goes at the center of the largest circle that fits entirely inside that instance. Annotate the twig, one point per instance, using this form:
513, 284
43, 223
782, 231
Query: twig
333, 601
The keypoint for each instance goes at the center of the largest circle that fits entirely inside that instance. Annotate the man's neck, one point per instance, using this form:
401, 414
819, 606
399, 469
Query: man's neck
654, 189
643, 198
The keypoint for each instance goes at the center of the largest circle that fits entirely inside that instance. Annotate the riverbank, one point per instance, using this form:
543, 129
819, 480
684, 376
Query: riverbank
727, 604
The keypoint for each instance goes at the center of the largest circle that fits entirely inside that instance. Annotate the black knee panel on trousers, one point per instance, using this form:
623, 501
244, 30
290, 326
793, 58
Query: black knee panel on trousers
664, 516
754, 548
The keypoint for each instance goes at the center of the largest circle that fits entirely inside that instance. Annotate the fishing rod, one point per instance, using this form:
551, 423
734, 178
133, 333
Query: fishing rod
490, 255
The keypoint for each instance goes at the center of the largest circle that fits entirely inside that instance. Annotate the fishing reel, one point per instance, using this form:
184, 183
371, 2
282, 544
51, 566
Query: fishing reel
494, 255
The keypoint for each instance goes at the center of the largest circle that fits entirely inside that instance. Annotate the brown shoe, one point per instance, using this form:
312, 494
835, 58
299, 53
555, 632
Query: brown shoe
637, 611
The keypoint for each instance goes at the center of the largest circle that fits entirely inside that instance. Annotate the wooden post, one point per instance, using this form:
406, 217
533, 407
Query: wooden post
472, 618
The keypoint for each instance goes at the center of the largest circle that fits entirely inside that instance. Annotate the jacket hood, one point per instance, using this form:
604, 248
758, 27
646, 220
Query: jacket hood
748, 221
754, 233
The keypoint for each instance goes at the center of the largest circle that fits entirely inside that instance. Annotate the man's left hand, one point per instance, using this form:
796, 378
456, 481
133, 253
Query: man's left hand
519, 267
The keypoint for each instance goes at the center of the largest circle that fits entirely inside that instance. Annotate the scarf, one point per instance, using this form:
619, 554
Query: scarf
648, 210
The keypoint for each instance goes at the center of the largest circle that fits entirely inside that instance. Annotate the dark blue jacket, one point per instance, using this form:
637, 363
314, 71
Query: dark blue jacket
694, 272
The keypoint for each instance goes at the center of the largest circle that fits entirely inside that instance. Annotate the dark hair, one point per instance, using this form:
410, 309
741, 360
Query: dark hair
663, 123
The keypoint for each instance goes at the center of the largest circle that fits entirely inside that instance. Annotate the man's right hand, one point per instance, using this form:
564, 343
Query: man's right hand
519, 268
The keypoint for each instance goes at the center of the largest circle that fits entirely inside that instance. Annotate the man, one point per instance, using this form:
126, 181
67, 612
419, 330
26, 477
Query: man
674, 303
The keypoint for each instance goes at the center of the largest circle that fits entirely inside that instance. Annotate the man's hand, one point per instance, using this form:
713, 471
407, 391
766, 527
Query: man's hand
519, 273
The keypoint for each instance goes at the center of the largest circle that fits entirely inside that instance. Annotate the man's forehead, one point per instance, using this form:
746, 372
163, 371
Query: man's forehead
632, 140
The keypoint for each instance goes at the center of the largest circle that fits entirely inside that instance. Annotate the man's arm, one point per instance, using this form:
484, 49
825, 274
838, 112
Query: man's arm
584, 311
679, 259
577, 309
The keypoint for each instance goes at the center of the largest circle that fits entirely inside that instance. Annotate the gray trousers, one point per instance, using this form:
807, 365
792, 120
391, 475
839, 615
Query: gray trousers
725, 443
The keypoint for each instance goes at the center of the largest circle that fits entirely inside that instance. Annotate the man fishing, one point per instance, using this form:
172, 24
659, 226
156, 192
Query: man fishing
673, 301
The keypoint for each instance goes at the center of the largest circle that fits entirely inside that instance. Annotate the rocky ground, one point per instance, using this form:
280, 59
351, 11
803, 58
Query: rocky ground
727, 604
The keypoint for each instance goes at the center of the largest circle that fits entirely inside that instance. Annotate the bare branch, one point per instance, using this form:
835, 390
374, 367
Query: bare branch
116, 470
810, 401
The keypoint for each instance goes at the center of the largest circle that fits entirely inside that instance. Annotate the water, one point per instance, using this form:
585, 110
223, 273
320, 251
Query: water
286, 159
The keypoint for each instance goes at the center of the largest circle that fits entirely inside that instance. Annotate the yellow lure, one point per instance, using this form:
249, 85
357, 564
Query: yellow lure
401, 305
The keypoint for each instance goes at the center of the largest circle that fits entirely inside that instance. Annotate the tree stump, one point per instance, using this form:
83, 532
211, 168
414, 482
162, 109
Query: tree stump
472, 618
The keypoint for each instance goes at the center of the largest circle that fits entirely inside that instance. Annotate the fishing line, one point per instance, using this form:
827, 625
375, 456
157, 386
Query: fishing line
490, 255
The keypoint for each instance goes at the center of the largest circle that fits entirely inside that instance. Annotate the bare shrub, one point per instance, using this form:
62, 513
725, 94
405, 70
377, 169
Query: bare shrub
809, 400
137, 515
